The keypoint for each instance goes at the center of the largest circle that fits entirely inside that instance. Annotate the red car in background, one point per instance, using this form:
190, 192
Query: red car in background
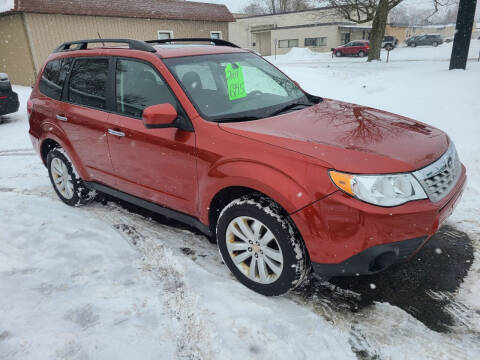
357, 48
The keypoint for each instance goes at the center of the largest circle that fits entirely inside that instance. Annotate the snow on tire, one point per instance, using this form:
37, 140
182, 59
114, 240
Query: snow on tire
261, 246
65, 180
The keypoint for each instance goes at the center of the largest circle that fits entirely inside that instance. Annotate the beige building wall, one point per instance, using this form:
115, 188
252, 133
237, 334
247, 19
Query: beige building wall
47, 31
15, 57
331, 32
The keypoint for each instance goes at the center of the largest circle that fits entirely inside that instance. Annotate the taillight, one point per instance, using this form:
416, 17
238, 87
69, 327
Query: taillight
29, 108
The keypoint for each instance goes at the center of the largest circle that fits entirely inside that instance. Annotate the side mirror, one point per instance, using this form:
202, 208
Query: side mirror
159, 116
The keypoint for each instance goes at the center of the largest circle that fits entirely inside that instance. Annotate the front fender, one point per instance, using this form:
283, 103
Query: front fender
279, 186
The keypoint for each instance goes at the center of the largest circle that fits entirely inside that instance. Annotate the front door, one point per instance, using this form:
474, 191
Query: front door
158, 165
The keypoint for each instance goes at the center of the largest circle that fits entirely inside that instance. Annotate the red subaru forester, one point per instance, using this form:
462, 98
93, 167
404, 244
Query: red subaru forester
217, 137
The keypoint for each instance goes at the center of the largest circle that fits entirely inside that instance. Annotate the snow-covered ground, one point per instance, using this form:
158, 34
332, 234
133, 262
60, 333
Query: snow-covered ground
100, 282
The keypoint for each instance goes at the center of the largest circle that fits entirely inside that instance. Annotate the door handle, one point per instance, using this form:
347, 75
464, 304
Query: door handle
116, 133
61, 117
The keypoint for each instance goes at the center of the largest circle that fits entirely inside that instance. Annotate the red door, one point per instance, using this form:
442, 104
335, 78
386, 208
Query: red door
158, 165
84, 119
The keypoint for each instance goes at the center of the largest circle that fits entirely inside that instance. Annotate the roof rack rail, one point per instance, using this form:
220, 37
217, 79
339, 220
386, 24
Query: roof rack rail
83, 44
217, 42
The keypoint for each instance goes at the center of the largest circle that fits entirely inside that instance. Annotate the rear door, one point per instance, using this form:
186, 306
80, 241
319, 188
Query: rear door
84, 118
154, 164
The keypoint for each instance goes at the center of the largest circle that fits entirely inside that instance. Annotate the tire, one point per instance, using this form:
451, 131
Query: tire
285, 245
361, 53
60, 167
388, 47
435, 44
414, 44
338, 53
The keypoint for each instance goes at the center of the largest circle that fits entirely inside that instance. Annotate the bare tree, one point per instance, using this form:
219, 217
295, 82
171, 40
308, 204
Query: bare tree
254, 8
257, 7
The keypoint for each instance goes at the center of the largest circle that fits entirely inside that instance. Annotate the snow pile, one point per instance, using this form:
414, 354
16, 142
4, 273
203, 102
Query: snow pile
300, 54
6, 5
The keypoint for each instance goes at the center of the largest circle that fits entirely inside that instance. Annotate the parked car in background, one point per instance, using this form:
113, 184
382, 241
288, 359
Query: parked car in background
8, 98
411, 38
353, 48
433, 40
389, 42
217, 137
448, 39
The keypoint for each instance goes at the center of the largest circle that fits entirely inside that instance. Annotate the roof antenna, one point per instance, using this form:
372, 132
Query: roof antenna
100, 38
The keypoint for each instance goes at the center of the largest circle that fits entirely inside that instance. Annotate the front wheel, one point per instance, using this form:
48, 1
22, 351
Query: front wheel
65, 180
338, 53
261, 246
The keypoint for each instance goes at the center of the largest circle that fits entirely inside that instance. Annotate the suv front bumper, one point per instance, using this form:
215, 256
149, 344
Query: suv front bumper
345, 236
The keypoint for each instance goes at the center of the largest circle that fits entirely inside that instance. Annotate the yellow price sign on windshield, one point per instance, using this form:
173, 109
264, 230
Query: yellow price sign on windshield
235, 82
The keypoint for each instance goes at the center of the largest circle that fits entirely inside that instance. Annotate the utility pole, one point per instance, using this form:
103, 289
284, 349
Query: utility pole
463, 34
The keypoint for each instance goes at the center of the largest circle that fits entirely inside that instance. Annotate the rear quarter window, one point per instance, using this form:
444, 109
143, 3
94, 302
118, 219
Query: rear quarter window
53, 77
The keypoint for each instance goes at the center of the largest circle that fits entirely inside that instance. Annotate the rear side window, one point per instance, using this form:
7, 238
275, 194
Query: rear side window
139, 86
88, 80
53, 77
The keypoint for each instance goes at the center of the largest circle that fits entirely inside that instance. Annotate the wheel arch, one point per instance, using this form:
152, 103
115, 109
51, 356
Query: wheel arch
52, 141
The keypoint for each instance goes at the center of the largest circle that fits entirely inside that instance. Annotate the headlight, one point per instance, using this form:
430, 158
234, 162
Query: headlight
383, 190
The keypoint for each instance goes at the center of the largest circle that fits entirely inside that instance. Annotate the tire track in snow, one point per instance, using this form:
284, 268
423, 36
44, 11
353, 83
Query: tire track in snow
18, 152
195, 338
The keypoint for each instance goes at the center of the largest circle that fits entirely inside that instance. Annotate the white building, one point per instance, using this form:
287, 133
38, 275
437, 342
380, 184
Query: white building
318, 29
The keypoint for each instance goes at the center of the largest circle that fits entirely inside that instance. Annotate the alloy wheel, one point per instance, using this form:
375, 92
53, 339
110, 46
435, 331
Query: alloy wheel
254, 250
61, 178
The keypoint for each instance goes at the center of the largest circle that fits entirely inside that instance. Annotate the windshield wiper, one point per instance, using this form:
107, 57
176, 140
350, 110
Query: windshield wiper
288, 107
237, 118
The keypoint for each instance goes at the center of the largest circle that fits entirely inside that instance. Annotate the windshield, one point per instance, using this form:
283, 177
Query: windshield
236, 87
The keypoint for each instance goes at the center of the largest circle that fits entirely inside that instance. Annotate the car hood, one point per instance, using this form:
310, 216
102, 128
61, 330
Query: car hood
349, 137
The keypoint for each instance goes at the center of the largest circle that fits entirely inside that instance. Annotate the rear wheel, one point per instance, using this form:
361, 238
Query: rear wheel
414, 44
338, 53
261, 246
435, 44
361, 53
65, 180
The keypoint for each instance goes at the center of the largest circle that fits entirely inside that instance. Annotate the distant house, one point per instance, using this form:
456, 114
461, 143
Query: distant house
31, 29
318, 29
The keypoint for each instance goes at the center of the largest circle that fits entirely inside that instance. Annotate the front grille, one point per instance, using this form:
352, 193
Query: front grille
439, 178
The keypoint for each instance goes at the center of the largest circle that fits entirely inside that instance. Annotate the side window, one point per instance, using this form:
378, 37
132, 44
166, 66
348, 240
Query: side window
53, 77
139, 86
88, 81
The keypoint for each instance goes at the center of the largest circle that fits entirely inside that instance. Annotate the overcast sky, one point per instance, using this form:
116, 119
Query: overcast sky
237, 5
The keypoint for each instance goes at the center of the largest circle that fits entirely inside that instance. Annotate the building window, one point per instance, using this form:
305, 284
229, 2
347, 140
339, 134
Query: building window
215, 34
288, 43
319, 41
345, 38
164, 34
